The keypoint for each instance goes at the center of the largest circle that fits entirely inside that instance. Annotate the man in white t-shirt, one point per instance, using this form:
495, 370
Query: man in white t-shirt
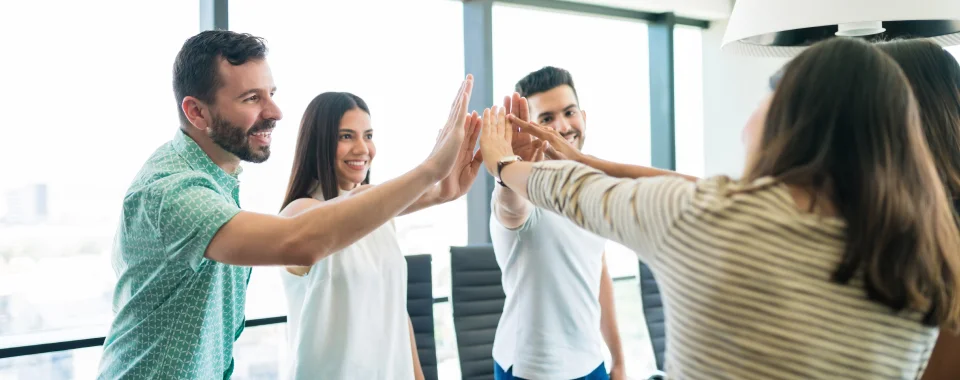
559, 308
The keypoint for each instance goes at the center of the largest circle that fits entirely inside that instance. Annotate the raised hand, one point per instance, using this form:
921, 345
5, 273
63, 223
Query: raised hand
495, 138
450, 140
558, 148
521, 142
467, 165
533, 151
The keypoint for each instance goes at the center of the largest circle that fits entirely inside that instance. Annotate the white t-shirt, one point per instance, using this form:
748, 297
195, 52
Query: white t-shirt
347, 317
550, 327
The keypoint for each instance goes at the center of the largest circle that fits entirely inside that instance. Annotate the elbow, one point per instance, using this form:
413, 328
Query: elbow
303, 248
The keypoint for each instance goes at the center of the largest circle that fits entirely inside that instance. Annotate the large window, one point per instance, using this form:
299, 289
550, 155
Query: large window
688, 99
612, 81
89, 99
608, 59
92, 100
407, 72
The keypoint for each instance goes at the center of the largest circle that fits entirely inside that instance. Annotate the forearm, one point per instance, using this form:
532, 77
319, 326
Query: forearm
608, 318
609, 207
331, 226
510, 208
619, 170
430, 198
417, 369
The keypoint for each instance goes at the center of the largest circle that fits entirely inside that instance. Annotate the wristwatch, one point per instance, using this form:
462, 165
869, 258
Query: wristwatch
504, 162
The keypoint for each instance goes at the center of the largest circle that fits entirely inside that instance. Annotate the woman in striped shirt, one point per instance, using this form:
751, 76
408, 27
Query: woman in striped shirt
934, 76
834, 256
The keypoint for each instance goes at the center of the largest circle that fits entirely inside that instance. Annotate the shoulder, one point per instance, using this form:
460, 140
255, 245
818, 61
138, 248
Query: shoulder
165, 171
723, 195
165, 176
723, 187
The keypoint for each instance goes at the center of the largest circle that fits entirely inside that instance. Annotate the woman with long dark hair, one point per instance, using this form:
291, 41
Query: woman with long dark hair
934, 75
347, 313
834, 256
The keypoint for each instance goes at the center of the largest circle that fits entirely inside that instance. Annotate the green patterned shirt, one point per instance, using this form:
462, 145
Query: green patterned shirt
177, 313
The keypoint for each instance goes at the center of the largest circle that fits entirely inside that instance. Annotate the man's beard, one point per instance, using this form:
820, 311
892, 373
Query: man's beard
233, 139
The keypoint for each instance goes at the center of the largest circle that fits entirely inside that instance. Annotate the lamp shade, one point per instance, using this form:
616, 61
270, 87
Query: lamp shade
783, 28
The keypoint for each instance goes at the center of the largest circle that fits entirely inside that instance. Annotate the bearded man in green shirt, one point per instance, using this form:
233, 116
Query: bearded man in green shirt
184, 248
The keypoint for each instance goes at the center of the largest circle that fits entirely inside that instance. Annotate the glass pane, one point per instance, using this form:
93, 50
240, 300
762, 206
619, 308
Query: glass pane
261, 353
63, 365
408, 73
448, 358
688, 95
89, 110
634, 336
612, 81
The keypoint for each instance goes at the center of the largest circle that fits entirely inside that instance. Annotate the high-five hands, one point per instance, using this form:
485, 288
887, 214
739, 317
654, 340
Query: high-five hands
495, 138
557, 147
522, 143
447, 151
467, 165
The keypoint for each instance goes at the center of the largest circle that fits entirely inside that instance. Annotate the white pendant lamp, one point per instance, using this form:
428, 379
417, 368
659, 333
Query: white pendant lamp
783, 28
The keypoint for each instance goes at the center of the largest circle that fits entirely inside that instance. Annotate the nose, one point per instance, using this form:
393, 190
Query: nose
561, 125
271, 111
360, 149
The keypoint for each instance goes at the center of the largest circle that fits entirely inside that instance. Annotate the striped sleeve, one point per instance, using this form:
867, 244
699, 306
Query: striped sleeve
634, 212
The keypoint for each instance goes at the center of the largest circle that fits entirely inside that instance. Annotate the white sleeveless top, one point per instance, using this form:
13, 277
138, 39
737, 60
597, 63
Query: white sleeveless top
347, 317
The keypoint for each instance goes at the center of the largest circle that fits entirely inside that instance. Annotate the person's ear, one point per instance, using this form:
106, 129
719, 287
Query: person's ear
196, 112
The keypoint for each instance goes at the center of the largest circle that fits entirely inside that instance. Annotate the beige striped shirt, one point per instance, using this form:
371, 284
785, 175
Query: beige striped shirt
745, 277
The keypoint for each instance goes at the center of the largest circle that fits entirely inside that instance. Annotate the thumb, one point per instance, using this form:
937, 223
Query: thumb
553, 154
476, 163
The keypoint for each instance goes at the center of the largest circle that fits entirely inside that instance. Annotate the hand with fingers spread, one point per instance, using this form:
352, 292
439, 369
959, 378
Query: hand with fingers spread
449, 145
522, 143
516, 106
467, 165
532, 152
495, 138
557, 147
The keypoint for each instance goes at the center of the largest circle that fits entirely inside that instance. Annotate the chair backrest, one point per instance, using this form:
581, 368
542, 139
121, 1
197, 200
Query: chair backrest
477, 298
653, 313
420, 308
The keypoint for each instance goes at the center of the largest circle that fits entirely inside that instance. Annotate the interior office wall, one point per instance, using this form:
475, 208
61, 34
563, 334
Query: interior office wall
732, 87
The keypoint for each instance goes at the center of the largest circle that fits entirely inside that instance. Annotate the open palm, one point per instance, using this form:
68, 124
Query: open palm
467, 164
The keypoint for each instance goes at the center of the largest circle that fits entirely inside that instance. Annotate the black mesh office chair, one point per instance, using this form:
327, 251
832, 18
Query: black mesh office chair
653, 313
420, 308
477, 300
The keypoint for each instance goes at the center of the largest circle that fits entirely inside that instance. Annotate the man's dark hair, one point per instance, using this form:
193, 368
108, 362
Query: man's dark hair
544, 80
195, 72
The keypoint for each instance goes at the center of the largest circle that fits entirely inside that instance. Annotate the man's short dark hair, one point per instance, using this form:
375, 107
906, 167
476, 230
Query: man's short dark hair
544, 80
196, 73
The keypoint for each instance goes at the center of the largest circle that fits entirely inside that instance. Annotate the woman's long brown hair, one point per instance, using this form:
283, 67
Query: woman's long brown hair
934, 75
316, 152
843, 123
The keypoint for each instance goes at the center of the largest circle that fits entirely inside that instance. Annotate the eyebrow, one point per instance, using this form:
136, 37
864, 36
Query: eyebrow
351, 131
254, 91
548, 113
